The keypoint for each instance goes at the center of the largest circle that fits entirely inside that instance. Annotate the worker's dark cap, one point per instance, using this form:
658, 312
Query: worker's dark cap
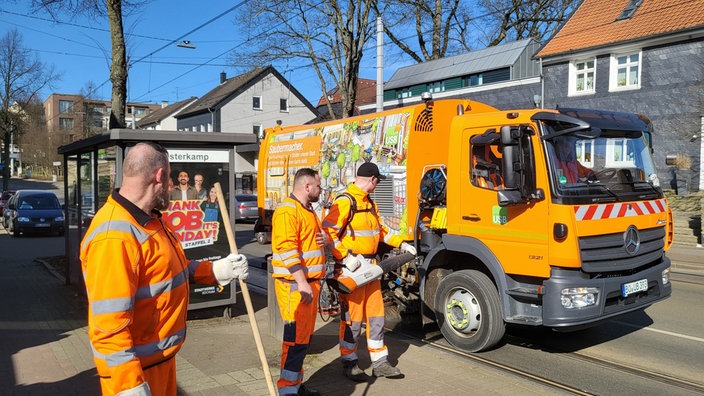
369, 169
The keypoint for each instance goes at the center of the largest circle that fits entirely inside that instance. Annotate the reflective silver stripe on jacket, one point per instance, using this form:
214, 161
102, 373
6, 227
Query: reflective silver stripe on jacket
117, 225
306, 270
112, 305
141, 351
366, 233
164, 286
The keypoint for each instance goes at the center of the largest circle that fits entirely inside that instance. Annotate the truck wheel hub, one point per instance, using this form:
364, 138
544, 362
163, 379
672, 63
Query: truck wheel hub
463, 312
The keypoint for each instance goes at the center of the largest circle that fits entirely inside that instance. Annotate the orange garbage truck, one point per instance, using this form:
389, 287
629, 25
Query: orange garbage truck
537, 217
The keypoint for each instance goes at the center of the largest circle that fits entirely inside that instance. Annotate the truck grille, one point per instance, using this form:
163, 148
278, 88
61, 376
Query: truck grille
606, 254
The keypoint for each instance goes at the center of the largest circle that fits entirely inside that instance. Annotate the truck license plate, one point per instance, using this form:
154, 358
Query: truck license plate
634, 287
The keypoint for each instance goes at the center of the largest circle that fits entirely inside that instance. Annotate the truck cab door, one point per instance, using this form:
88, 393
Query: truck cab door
517, 235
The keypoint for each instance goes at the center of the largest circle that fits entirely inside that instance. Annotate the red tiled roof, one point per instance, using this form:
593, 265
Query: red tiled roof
594, 23
366, 93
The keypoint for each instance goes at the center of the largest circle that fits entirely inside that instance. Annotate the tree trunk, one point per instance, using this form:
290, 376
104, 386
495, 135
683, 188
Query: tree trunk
6, 160
118, 69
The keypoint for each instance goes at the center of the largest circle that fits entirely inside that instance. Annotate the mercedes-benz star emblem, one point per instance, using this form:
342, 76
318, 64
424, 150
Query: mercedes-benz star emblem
631, 240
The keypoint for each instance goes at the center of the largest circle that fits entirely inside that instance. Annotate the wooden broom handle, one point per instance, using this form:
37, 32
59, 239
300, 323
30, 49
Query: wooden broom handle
245, 291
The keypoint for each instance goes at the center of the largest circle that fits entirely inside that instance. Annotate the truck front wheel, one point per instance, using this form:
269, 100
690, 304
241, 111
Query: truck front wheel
468, 311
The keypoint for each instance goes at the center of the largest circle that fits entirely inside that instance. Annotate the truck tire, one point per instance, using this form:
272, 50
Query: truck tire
468, 311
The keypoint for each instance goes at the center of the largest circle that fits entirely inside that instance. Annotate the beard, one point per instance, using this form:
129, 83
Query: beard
314, 197
161, 200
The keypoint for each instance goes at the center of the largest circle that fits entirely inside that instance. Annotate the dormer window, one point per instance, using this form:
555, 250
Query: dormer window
630, 9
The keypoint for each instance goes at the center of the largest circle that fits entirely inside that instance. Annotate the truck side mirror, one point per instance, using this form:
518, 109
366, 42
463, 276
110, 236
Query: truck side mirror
511, 156
518, 165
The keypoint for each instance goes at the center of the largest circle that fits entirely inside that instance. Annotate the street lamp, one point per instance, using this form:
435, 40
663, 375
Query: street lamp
186, 44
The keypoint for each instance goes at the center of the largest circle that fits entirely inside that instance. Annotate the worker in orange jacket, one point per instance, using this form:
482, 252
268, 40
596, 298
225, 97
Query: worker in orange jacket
298, 260
136, 276
363, 231
569, 169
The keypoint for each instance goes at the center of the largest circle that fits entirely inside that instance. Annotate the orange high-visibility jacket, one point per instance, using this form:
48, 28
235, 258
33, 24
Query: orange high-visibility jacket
294, 229
364, 232
136, 275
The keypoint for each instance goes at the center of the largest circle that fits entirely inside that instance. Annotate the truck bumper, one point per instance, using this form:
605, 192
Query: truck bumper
610, 301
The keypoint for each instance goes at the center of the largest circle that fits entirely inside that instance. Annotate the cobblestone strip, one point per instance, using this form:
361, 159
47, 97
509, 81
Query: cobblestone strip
193, 381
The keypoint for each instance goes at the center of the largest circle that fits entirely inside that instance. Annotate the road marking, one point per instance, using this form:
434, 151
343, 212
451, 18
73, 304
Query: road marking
691, 338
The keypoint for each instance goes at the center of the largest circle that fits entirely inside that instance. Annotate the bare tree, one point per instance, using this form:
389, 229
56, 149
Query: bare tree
509, 20
22, 77
37, 150
329, 34
438, 27
432, 29
118, 69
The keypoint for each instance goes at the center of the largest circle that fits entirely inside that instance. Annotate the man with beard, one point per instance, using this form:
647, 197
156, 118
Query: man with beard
298, 260
137, 276
184, 191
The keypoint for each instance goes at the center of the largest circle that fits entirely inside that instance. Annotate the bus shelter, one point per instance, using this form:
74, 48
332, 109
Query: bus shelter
92, 169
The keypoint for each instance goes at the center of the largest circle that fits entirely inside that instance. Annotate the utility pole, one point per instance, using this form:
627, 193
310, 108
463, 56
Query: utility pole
379, 64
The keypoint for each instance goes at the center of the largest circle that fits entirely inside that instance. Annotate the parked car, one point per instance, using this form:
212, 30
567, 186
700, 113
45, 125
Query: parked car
6, 213
4, 197
246, 207
34, 211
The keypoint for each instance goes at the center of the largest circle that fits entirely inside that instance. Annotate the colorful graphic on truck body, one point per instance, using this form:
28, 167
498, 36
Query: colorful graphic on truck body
336, 151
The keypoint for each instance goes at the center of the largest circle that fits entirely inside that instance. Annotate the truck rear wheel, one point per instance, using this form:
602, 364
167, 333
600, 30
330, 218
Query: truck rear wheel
468, 311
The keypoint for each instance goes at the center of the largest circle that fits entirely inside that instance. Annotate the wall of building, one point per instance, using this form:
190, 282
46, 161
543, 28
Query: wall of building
239, 116
671, 94
201, 122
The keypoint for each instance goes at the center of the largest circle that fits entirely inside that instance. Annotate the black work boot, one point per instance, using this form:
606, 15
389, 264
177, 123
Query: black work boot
303, 391
353, 372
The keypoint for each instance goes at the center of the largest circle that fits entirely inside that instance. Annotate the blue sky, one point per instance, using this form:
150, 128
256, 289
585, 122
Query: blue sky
80, 50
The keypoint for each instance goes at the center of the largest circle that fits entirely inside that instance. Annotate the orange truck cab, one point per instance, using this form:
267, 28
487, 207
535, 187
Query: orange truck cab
532, 216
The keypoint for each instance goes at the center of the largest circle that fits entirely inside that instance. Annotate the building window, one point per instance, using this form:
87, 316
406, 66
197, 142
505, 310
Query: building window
65, 106
625, 71
619, 154
257, 130
66, 124
283, 105
630, 9
436, 87
257, 103
405, 93
582, 77
585, 153
139, 111
473, 80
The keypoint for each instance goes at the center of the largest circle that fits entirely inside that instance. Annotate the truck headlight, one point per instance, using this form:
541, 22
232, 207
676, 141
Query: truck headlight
579, 297
665, 276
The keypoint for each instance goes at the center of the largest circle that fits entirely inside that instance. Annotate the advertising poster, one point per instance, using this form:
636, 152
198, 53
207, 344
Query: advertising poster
194, 213
336, 151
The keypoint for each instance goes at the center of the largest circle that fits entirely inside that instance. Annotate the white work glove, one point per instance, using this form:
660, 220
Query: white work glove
139, 390
352, 261
234, 266
408, 248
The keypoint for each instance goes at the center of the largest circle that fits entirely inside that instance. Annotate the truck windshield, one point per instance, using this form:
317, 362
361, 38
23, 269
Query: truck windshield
615, 166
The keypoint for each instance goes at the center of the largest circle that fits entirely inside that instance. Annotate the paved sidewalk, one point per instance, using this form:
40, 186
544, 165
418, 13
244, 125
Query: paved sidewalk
44, 349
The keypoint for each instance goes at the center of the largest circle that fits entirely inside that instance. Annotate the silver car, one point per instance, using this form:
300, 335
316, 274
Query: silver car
246, 207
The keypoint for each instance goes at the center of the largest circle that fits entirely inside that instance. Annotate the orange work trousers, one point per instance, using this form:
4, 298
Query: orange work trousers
299, 325
161, 379
364, 302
